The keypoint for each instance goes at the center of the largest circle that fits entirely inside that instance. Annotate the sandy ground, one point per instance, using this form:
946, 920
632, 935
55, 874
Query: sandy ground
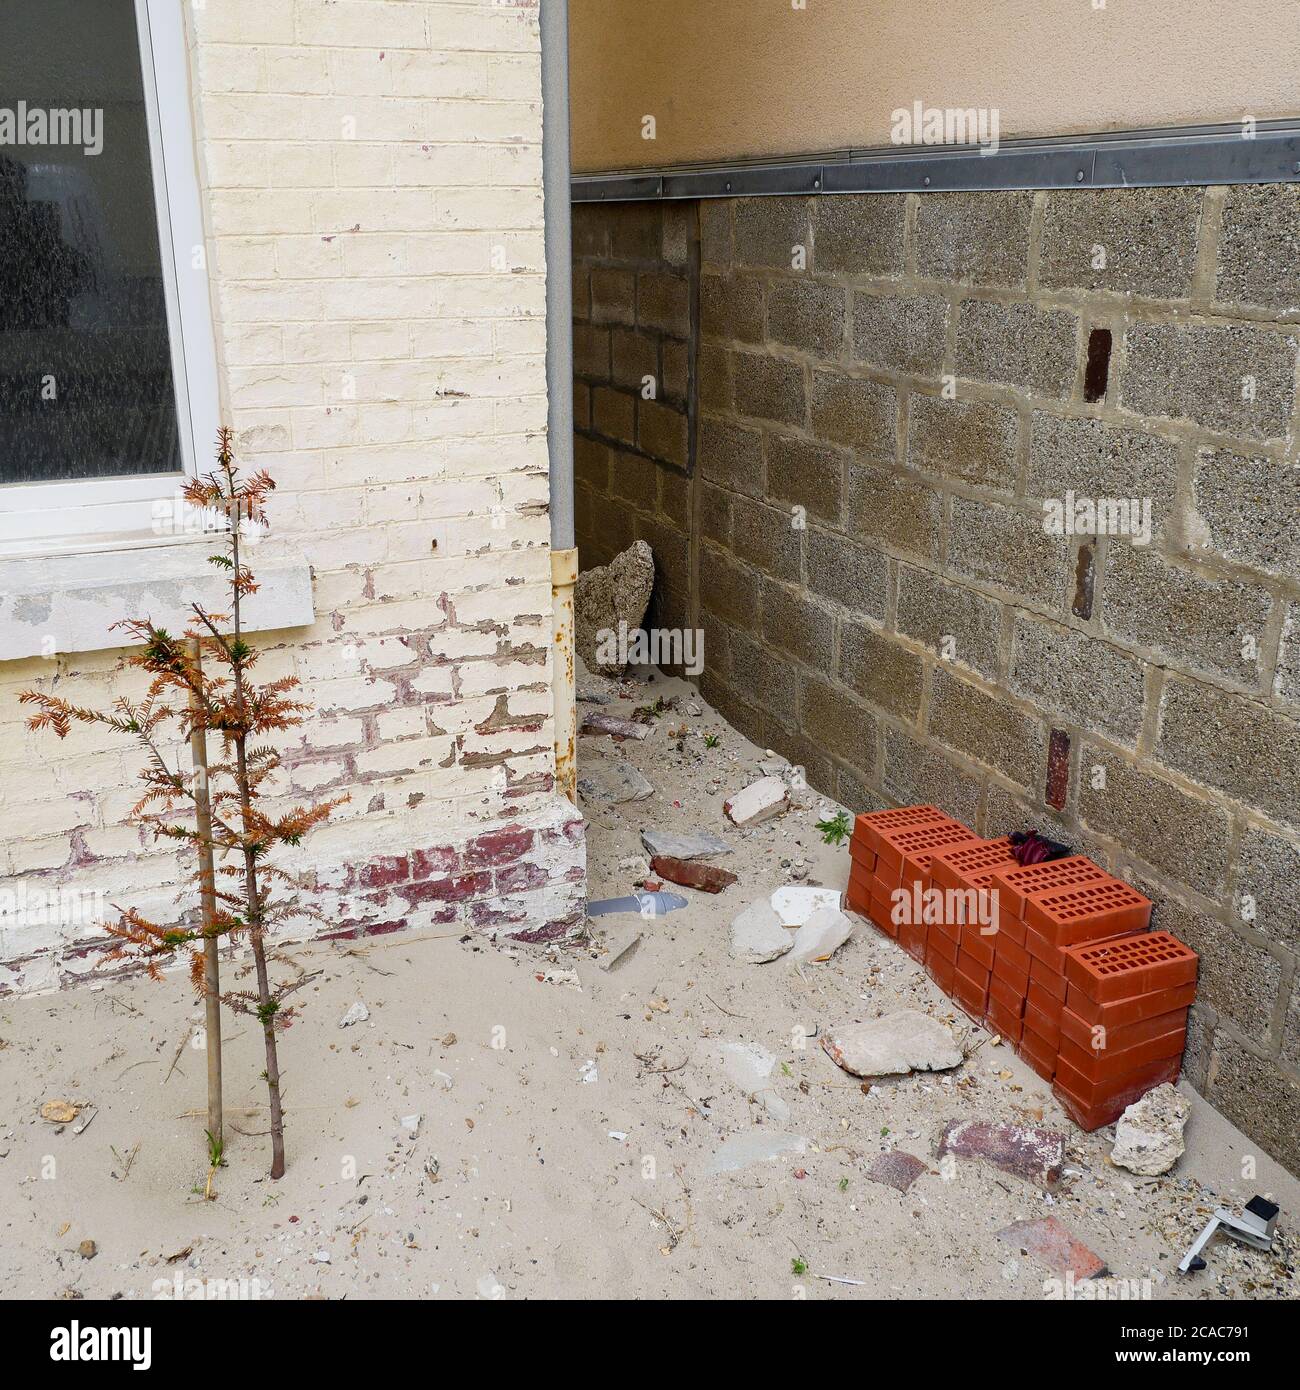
526, 1180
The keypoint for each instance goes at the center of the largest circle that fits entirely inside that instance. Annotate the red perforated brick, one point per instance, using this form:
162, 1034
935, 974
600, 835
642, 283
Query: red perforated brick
1046, 1022
942, 972
912, 937
1011, 954
1048, 977
977, 945
954, 866
1009, 925
1006, 993
1044, 999
1123, 1012
896, 845
1096, 1037
971, 995
882, 908
1015, 977
1003, 1020
1087, 912
1038, 1051
858, 895
868, 826
973, 969
1036, 878
1111, 970
1041, 949
942, 944
859, 854
1090, 1107
1112, 1063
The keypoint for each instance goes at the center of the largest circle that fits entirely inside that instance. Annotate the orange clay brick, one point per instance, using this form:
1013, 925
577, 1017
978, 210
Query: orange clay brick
869, 824
1110, 970
1087, 912
1014, 884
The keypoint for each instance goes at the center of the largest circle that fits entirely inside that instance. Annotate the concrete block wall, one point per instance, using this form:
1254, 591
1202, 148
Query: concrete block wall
372, 189
890, 387
635, 325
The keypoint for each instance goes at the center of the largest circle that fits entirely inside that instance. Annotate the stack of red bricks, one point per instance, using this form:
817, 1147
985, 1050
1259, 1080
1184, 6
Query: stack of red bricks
1057, 957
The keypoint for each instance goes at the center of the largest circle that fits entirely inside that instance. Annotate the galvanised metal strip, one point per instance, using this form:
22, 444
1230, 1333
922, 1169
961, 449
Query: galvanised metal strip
1128, 159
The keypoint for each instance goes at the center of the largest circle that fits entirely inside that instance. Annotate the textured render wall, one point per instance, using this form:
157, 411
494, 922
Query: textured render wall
914, 634
728, 79
373, 189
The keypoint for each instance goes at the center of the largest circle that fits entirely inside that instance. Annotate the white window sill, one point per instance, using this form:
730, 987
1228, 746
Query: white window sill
52, 604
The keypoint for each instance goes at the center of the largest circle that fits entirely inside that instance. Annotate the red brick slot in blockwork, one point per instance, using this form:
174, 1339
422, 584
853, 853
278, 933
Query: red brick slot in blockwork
1014, 884
1087, 911
1109, 970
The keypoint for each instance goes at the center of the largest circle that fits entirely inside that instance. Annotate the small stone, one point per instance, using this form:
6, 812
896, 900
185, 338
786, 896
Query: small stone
320, 1257
594, 722
59, 1112
1149, 1134
88, 1250
659, 842
897, 1169
611, 782
758, 802
411, 1124
757, 935
358, 1013
898, 1043
489, 1287
821, 936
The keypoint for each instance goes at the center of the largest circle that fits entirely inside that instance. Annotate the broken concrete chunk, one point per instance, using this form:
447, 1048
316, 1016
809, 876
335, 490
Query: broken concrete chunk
612, 782
683, 846
897, 1169
1149, 1134
1052, 1244
705, 878
609, 603
821, 936
758, 802
1025, 1150
594, 722
757, 935
796, 904
894, 1045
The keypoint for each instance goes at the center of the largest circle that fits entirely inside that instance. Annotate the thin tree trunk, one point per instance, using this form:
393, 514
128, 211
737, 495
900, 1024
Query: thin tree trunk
253, 897
208, 895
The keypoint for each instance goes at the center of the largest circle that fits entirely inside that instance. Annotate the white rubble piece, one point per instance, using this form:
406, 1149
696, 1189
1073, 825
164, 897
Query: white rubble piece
795, 904
358, 1013
758, 802
1149, 1134
671, 846
821, 936
758, 936
749, 1068
894, 1045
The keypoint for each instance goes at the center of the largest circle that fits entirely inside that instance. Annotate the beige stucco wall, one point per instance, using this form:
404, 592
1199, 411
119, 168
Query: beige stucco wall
736, 78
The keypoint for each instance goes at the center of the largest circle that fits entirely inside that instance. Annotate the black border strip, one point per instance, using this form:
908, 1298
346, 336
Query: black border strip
1130, 159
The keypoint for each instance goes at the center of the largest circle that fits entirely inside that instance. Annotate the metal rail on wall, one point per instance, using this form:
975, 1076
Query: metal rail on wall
1267, 153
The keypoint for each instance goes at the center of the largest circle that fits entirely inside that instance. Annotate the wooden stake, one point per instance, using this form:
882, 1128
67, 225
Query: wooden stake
208, 894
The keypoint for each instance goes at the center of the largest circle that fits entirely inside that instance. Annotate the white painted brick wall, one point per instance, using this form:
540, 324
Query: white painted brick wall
372, 174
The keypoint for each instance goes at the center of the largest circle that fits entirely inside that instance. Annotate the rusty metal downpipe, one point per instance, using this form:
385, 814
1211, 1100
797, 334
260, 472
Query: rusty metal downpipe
554, 21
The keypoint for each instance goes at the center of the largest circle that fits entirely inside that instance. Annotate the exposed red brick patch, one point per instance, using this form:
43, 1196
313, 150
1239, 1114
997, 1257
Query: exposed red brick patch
440, 859
1085, 573
499, 846
1058, 768
383, 872
456, 889
518, 878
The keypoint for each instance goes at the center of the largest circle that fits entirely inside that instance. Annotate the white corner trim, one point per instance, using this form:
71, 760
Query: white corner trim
69, 603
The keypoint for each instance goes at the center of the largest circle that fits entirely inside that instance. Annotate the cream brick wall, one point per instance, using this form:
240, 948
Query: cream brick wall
372, 189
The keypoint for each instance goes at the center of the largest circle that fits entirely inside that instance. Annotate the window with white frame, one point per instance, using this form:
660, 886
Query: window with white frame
107, 368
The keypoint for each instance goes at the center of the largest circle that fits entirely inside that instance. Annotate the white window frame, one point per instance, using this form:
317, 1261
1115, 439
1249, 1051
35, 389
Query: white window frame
94, 514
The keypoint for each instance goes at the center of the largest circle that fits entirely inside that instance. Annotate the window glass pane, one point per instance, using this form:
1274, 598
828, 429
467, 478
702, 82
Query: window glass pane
86, 386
